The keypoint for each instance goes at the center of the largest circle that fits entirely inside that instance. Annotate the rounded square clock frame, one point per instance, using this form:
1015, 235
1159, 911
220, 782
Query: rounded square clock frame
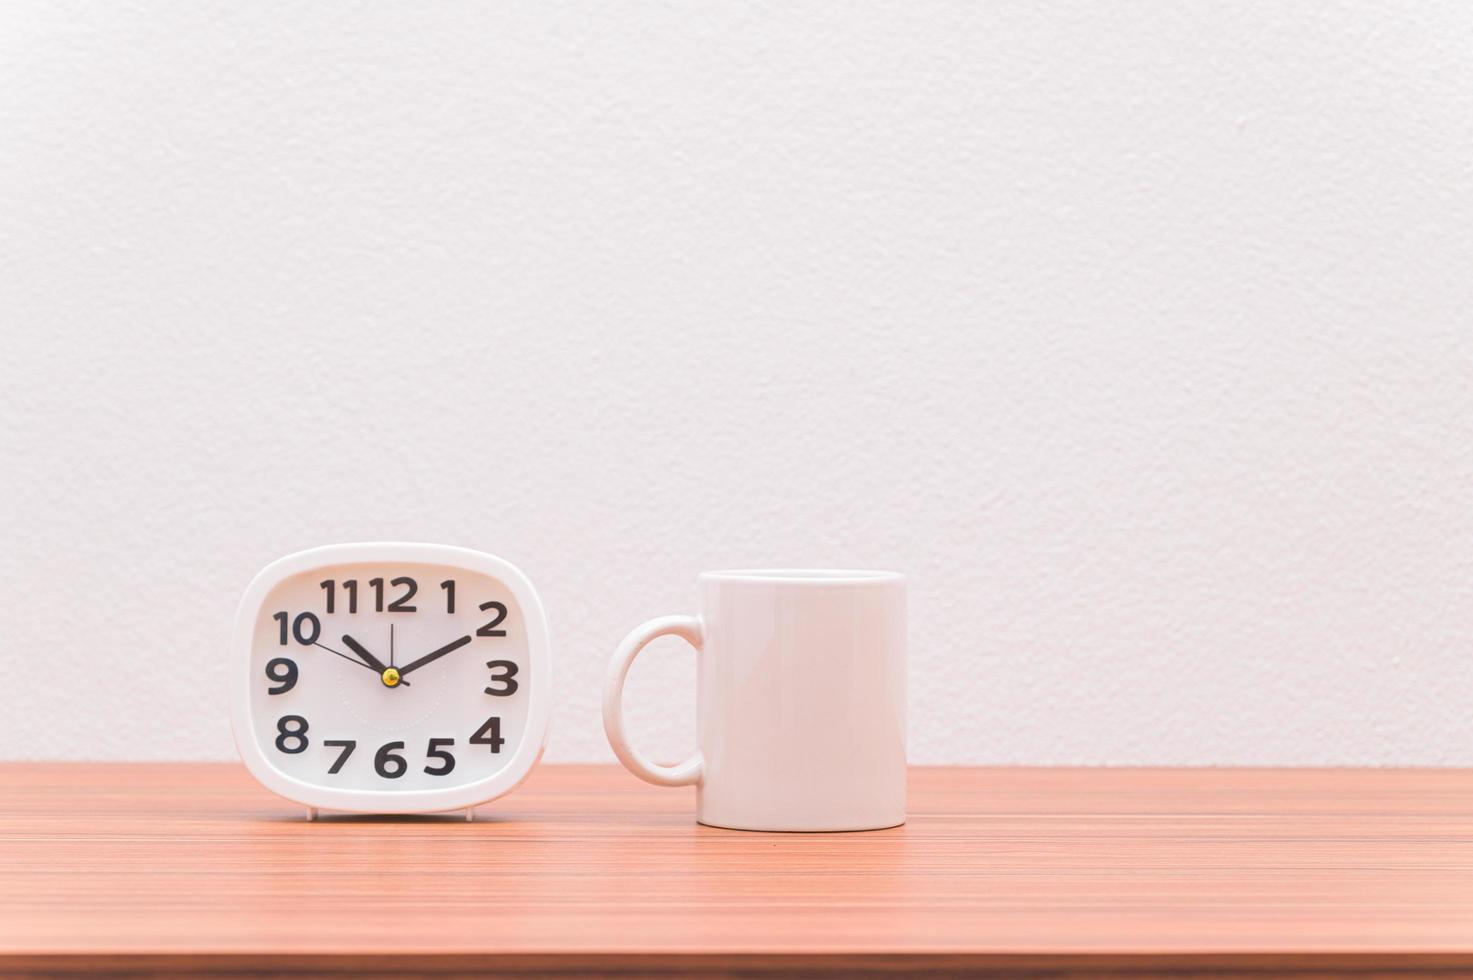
463, 796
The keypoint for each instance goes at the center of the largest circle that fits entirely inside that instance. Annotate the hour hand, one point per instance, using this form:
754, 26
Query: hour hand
433, 654
363, 654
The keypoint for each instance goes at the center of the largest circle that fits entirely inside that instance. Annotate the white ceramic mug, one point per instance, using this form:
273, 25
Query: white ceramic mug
800, 701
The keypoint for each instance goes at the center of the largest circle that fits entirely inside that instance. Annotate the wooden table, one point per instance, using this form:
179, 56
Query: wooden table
195, 869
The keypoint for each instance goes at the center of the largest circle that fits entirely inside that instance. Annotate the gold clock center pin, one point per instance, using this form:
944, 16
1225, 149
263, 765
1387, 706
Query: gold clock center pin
391, 677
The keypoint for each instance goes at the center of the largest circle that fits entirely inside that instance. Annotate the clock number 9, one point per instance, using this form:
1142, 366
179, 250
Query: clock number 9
291, 728
300, 628
284, 672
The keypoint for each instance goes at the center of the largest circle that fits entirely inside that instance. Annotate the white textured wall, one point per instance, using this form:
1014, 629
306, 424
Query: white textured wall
1139, 333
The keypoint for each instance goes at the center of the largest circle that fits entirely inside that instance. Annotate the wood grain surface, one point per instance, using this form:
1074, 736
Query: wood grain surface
194, 869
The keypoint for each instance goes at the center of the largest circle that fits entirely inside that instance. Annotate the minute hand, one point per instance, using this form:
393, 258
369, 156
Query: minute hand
433, 655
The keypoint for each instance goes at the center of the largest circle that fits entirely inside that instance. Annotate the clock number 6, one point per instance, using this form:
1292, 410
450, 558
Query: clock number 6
507, 677
387, 764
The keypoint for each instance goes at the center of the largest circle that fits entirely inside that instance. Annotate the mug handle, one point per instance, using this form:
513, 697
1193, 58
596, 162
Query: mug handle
688, 628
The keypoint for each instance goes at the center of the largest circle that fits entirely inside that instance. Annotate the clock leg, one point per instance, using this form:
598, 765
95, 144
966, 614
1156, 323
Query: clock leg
470, 814
311, 813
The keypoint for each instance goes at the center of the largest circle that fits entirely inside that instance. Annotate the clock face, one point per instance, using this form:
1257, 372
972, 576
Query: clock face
392, 679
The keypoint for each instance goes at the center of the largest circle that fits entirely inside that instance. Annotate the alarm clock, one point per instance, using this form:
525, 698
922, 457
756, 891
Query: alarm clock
390, 678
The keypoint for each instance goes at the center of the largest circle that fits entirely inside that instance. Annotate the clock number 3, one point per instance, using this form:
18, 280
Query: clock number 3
503, 672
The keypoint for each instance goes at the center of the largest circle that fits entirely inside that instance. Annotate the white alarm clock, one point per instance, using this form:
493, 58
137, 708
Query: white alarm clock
390, 678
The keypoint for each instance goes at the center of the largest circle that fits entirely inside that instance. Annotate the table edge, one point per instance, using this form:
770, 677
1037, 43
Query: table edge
730, 962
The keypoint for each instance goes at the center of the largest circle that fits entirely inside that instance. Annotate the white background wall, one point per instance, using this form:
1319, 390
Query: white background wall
1139, 333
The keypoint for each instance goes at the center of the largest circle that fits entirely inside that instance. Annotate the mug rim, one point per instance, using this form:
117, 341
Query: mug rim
803, 576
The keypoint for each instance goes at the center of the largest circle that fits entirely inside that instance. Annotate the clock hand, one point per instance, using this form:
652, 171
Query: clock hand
450, 647
388, 675
363, 654
339, 653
